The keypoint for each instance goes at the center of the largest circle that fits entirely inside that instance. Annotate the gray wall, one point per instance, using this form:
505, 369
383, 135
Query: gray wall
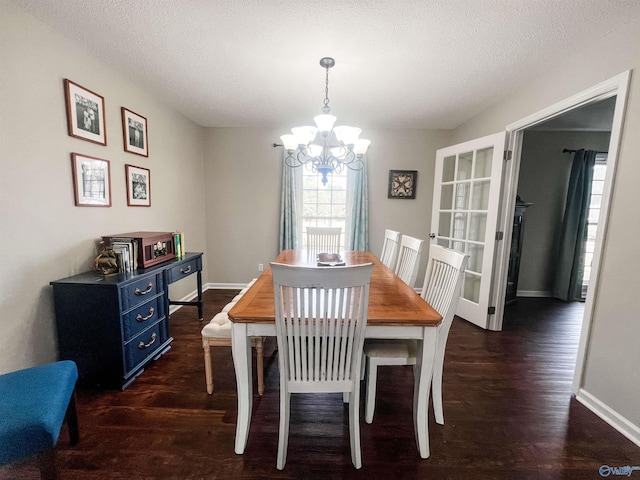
611, 375
44, 236
243, 178
544, 164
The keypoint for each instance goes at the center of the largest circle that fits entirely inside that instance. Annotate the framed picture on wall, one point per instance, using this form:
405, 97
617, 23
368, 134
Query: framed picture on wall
138, 186
134, 129
85, 113
91, 181
402, 183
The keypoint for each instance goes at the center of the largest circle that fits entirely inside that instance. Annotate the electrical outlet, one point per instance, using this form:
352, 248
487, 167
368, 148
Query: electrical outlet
260, 267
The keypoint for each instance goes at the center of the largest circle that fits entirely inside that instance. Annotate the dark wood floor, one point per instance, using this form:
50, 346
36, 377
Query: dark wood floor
508, 410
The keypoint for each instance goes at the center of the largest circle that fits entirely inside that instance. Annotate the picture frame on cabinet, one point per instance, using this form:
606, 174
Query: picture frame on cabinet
85, 113
91, 181
402, 184
134, 130
138, 186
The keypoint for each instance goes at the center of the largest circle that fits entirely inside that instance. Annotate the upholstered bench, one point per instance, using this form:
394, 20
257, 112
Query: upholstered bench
217, 333
34, 403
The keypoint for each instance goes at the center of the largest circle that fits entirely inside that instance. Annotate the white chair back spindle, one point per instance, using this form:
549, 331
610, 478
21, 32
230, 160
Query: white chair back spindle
324, 239
390, 248
409, 259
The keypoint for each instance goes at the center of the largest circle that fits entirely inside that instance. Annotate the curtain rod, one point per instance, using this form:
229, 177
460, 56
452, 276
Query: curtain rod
566, 150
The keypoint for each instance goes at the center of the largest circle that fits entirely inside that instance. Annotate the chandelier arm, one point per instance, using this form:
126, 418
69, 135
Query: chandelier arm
351, 161
295, 159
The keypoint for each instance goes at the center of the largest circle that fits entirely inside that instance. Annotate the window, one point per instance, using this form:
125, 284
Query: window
323, 205
597, 188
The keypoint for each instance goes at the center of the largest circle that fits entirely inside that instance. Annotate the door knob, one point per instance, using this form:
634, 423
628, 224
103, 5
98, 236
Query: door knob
432, 235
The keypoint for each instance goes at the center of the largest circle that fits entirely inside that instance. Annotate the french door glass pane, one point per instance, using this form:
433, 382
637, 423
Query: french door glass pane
448, 169
477, 226
462, 196
475, 253
465, 166
471, 287
458, 246
459, 226
480, 195
444, 225
483, 163
446, 197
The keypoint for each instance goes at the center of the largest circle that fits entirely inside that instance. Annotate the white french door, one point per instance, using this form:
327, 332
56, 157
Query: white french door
466, 201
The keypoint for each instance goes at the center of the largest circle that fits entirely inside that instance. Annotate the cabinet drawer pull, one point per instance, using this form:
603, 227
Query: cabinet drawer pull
142, 345
184, 272
140, 318
145, 291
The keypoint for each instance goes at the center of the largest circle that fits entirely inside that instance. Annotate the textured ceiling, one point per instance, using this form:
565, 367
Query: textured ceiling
399, 63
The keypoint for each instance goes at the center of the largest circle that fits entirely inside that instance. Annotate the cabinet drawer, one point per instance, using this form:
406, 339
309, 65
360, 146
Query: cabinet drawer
145, 345
184, 269
142, 316
141, 290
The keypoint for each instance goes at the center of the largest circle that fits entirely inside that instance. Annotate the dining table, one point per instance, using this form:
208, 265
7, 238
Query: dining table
395, 311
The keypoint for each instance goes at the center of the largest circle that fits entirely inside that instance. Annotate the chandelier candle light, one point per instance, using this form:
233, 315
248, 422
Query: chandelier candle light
325, 148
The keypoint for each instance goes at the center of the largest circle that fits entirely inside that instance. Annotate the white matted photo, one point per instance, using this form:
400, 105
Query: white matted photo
85, 113
134, 129
91, 181
138, 186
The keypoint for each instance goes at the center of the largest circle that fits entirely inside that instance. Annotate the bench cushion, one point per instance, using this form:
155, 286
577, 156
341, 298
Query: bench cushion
218, 327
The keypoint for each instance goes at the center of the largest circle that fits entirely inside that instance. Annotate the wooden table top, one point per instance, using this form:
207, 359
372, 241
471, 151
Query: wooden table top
391, 301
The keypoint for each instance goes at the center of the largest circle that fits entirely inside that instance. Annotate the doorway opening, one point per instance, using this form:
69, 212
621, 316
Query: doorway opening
616, 89
546, 159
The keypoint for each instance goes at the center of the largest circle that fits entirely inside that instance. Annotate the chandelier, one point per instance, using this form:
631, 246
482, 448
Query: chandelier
324, 148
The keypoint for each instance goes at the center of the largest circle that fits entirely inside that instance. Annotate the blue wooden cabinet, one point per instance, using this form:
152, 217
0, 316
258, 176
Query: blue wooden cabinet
113, 326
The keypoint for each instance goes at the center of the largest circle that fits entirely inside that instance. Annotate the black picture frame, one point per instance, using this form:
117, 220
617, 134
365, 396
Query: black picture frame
402, 184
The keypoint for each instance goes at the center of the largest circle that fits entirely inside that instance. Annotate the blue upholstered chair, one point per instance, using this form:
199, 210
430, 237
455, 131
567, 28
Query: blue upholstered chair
33, 404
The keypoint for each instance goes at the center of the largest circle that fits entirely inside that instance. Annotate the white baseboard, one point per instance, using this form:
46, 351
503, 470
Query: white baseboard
224, 286
194, 294
533, 294
613, 418
186, 298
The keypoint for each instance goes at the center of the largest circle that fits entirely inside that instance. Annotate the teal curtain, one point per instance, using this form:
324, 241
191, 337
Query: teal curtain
288, 210
359, 225
573, 233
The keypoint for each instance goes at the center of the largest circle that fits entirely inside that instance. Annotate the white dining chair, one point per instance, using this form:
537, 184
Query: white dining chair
321, 315
441, 289
390, 247
409, 259
324, 239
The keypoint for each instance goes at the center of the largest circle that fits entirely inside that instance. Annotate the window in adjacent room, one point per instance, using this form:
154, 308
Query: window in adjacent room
597, 188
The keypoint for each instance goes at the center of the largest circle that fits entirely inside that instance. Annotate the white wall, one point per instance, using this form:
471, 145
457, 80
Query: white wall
44, 236
243, 179
611, 372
